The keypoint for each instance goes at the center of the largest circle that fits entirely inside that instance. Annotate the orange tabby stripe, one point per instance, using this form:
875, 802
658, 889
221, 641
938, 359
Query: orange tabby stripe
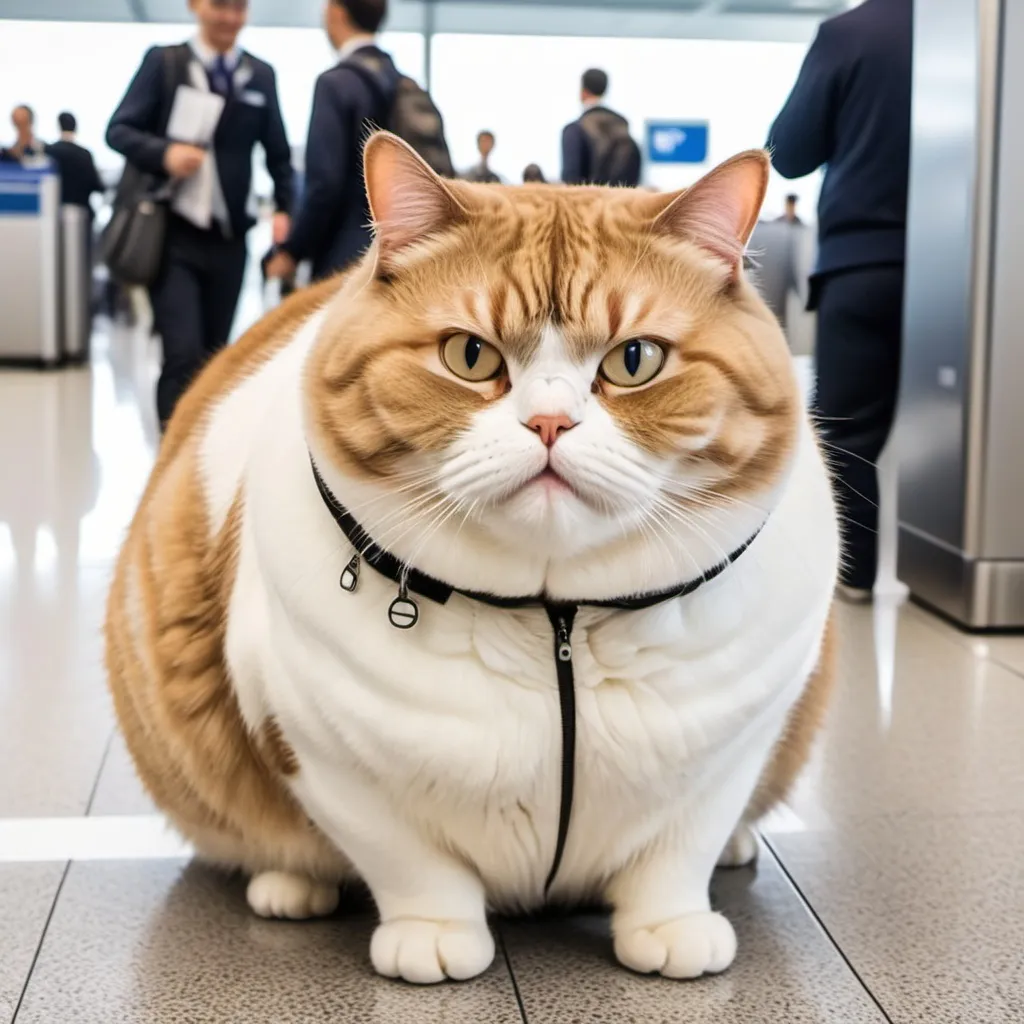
219, 783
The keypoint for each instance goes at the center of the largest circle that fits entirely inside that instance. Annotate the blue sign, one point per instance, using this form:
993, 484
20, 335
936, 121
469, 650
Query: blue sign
677, 142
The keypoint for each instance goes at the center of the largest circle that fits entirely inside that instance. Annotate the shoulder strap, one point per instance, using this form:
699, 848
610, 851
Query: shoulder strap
381, 99
175, 60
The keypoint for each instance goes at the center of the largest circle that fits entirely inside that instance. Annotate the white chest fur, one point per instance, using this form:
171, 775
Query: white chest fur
452, 728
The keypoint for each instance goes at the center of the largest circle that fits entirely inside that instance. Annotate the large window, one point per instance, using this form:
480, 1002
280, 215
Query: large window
86, 67
525, 88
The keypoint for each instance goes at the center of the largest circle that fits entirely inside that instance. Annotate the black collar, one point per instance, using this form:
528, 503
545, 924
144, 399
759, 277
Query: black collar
404, 614
410, 579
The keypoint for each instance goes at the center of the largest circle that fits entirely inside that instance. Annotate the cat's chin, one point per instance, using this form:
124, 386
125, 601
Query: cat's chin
550, 515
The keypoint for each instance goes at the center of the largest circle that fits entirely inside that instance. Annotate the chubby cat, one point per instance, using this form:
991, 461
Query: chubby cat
496, 571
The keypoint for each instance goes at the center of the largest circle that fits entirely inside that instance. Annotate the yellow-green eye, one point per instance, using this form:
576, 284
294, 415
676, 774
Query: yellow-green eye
633, 363
471, 358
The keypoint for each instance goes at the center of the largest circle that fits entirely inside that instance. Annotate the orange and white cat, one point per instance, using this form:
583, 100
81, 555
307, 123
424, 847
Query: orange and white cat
569, 398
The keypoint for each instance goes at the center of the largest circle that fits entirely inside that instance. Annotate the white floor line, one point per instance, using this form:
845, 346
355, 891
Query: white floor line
142, 837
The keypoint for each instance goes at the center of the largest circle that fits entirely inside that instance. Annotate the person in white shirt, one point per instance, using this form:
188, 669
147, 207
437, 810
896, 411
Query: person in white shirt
482, 173
26, 145
195, 298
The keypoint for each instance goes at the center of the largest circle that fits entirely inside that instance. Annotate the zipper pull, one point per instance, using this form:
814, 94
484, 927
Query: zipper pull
404, 612
564, 644
350, 577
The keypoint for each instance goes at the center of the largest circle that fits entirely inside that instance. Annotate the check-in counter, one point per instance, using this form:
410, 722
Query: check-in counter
30, 265
76, 282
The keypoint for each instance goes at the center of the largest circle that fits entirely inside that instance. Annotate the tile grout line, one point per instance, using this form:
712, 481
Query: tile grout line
60, 884
42, 940
821, 924
99, 774
511, 974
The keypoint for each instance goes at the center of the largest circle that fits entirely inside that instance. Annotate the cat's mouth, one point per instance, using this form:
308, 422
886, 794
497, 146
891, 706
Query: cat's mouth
551, 482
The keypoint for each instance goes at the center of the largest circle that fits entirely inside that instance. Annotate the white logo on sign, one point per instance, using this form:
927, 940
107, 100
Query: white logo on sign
668, 140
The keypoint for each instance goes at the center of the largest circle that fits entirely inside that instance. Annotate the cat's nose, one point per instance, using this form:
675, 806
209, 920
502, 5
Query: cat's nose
550, 428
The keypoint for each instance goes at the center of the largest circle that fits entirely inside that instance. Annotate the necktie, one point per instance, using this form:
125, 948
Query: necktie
221, 78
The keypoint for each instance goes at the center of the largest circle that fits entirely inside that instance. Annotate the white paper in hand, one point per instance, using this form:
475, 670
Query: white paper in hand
194, 116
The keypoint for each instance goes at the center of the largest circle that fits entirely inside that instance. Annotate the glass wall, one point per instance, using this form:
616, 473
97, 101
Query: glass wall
85, 67
524, 88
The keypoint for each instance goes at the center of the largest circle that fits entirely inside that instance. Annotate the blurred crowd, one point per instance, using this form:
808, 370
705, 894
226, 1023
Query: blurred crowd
193, 114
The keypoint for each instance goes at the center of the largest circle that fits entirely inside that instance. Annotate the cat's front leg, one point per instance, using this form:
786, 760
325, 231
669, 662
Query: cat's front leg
662, 919
433, 922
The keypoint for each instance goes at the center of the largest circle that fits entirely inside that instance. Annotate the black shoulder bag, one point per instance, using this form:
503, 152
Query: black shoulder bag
133, 241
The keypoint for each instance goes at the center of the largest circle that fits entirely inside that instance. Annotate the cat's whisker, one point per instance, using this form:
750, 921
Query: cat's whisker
390, 537
405, 508
432, 530
660, 526
696, 524
845, 451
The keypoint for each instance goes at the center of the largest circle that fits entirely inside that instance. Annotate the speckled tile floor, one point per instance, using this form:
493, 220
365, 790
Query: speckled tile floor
889, 890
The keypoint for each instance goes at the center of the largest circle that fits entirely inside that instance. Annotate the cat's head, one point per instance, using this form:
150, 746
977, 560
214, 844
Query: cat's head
555, 373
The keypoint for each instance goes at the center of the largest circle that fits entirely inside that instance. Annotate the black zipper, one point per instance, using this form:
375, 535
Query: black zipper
562, 617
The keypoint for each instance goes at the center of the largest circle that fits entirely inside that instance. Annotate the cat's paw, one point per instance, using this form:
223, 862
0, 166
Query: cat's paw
426, 952
684, 948
282, 894
741, 850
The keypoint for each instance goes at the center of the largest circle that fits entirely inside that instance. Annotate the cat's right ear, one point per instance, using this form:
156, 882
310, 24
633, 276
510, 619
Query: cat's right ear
719, 213
408, 201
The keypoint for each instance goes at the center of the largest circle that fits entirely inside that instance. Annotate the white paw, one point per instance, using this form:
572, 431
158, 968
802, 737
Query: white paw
741, 849
684, 948
282, 894
426, 952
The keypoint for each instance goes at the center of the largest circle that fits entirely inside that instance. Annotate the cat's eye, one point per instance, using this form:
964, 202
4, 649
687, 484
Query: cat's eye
633, 363
471, 358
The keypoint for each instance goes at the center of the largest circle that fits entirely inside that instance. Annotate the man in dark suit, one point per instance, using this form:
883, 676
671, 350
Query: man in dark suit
195, 298
79, 179
850, 111
26, 145
331, 227
481, 172
597, 148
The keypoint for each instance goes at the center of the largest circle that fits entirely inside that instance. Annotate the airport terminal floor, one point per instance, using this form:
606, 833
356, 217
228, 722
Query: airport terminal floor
890, 889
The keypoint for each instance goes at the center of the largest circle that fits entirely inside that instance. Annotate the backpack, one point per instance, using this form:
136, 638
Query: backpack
614, 155
408, 111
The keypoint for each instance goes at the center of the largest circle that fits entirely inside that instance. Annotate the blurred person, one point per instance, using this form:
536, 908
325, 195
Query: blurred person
790, 216
533, 173
597, 148
331, 226
196, 296
79, 179
482, 172
850, 112
26, 145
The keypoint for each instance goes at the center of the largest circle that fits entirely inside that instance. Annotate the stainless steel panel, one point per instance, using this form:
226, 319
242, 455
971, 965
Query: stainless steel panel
977, 593
1002, 491
76, 281
946, 199
29, 327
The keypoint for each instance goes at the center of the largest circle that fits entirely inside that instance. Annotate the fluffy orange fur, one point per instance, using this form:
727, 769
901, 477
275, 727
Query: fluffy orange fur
604, 265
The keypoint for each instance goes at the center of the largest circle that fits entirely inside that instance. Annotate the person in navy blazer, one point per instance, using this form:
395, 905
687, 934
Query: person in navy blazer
331, 228
196, 296
849, 112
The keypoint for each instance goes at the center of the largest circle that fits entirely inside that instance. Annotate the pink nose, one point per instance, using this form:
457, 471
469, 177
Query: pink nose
550, 428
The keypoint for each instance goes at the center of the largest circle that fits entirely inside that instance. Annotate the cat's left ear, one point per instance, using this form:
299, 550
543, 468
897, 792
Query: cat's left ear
408, 201
720, 212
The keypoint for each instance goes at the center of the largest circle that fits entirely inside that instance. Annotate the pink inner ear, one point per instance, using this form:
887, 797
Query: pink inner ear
719, 212
408, 201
